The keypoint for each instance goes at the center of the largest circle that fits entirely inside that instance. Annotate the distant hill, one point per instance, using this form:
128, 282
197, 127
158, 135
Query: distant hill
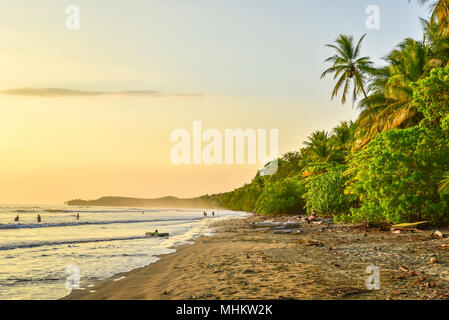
165, 202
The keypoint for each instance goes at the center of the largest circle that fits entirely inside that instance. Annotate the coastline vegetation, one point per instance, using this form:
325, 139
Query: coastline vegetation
391, 164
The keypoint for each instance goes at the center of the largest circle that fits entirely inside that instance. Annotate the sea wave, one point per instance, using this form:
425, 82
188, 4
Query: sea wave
84, 223
23, 245
39, 210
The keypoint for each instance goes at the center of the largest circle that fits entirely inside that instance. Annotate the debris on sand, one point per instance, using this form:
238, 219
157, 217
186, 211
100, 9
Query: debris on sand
265, 224
314, 243
288, 231
288, 225
408, 225
345, 291
437, 234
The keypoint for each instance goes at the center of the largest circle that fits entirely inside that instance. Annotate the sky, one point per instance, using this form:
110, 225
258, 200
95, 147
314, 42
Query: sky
137, 70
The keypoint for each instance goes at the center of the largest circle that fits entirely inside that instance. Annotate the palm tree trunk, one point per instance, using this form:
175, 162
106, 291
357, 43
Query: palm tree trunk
364, 92
369, 108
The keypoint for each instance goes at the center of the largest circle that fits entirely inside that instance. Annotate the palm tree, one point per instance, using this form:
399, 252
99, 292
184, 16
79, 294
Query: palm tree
390, 101
348, 67
344, 135
439, 12
320, 146
438, 41
444, 184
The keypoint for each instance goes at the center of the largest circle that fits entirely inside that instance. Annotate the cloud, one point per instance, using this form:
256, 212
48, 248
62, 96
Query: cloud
61, 92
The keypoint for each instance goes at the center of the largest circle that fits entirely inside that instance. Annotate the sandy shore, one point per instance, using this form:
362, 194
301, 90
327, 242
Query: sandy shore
325, 261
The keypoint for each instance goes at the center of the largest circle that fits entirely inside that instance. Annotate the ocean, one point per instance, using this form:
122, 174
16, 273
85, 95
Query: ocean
38, 260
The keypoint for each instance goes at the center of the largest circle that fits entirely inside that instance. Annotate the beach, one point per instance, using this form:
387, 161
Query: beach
324, 261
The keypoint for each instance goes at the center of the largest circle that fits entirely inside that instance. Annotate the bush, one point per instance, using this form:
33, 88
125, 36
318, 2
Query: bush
396, 178
284, 196
326, 195
431, 97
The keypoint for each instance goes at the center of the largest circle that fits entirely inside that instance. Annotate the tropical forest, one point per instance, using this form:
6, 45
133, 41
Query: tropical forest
390, 165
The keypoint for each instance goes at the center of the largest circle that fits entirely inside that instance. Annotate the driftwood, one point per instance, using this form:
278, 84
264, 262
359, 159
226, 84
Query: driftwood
286, 226
288, 231
408, 225
266, 224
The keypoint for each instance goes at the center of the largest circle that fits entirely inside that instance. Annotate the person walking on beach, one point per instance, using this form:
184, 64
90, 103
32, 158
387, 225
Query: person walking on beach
16, 219
39, 218
205, 213
213, 214
77, 216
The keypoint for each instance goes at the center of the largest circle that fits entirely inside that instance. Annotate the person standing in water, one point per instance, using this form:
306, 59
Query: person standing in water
39, 218
213, 214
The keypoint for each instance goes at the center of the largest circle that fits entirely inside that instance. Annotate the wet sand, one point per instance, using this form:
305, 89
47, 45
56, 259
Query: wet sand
325, 261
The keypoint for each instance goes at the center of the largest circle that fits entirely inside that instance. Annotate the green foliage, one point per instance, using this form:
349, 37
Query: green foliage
244, 198
431, 97
396, 153
396, 178
325, 194
285, 196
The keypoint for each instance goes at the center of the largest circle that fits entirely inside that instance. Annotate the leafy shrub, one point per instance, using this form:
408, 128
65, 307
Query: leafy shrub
396, 178
431, 97
284, 196
326, 195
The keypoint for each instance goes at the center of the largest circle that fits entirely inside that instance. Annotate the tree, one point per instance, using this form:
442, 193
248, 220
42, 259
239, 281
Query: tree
348, 67
285, 196
396, 178
439, 12
390, 102
344, 135
320, 147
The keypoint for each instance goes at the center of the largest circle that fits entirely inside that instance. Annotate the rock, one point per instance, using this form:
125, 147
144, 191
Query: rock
397, 231
437, 234
433, 260
314, 243
291, 225
249, 271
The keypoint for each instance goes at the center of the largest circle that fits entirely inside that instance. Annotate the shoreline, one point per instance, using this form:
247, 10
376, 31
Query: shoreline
325, 261
100, 286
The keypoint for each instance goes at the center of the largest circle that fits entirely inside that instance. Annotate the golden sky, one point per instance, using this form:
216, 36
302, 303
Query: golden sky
136, 71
